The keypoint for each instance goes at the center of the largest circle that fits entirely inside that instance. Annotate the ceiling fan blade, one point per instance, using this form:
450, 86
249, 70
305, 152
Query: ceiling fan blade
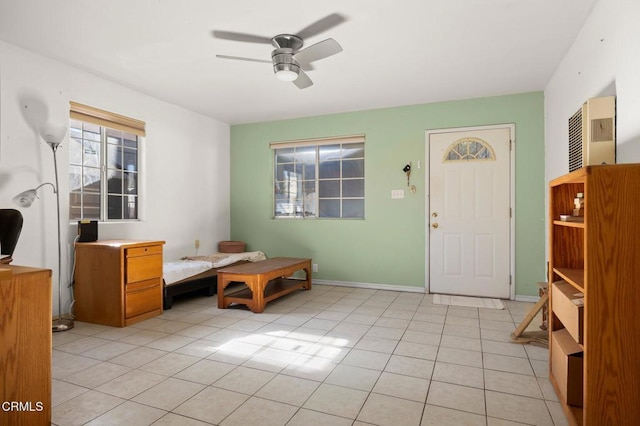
303, 80
240, 58
249, 38
318, 51
321, 25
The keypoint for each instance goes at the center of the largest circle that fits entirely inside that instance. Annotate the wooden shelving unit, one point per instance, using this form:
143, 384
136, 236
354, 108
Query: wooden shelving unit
25, 345
600, 257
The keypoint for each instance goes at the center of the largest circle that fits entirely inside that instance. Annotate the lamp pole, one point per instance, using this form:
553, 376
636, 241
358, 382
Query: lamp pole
59, 324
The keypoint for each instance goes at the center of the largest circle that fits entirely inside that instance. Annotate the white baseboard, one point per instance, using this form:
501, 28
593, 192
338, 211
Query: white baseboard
524, 298
371, 286
389, 287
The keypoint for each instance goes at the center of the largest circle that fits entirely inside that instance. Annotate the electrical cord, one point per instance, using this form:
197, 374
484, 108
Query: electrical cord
72, 278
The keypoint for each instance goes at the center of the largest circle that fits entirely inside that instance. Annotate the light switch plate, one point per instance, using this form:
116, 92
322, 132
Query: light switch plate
397, 193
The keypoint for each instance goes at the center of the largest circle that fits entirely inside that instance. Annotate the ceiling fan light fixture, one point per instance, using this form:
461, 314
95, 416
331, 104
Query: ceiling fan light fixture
286, 72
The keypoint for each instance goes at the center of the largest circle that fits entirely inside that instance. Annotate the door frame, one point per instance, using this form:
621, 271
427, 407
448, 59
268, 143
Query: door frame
512, 197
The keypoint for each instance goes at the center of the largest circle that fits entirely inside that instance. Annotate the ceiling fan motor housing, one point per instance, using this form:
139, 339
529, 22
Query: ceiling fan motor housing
283, 60
290, 41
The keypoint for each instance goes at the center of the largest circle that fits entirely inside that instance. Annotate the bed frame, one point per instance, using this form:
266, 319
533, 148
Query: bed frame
206, 283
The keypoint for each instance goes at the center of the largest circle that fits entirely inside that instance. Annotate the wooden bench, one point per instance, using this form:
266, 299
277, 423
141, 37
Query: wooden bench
266, 280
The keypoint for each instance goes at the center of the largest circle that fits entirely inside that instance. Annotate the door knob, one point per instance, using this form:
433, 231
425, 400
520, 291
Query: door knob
434, 225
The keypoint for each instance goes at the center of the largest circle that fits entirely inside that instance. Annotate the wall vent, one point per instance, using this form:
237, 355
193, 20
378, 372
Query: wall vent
592, 133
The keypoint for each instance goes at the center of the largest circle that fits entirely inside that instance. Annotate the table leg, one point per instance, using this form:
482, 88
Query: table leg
307, 270
257, 286
223, 282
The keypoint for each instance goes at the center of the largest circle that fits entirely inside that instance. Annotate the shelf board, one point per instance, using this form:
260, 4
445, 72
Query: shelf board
572, 276
570, 224
276, 288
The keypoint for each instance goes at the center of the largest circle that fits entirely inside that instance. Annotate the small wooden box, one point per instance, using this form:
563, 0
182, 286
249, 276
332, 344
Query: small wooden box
566, 366
231, 247
569, 313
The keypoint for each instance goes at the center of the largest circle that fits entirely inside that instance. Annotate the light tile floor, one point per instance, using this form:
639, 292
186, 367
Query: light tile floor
329, 356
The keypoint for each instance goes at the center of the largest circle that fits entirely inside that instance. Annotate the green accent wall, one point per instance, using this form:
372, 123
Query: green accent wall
388, 246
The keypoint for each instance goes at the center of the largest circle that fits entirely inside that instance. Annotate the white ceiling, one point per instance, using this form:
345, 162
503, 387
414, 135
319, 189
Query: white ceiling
396, 52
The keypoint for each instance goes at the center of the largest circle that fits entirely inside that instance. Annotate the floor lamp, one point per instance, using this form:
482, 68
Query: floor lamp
26, 198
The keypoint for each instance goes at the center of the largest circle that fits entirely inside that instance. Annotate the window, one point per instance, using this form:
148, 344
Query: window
104, 159
319, 178
469, 149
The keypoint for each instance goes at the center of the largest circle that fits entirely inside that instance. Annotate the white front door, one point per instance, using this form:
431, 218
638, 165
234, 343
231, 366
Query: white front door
469, 212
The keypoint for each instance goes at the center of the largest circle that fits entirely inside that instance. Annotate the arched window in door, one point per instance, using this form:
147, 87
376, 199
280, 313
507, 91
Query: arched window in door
469, 149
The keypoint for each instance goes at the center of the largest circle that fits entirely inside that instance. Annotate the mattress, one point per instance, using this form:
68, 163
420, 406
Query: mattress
181, 269
193, 265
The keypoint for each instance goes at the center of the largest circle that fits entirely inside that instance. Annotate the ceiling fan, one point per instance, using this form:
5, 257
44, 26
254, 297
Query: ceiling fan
289, 59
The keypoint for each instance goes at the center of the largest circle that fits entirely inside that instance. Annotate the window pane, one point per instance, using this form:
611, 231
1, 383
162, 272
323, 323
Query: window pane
353, 150
280, 171
305, 154
75, 150
131, 183
114, 207
91, 132
75, 178
114, 156
353, 188
131, 207
329, 188
329, 169
281, 191
309, 171
329, 152
329, 208
75, 128
113, 139
310, 206
284, 155
91, 206
130, 161
287, 199
352, 168
353, 208
91, 154
91, 180
130, 141
114, 183
75, 206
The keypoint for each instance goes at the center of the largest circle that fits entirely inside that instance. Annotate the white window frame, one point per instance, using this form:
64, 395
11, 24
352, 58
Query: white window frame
110, 121
304, 207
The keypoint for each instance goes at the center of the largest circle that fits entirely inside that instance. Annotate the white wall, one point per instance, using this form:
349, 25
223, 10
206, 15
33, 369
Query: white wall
603, 60
185, 162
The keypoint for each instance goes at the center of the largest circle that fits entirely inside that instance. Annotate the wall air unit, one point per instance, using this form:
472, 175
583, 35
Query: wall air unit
592, 133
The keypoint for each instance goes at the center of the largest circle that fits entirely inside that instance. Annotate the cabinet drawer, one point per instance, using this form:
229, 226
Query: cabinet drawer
571, 314
143, 297
143, 268
144, 251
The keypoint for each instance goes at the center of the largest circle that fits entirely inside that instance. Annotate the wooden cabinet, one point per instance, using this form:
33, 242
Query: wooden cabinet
118, 282
599, 257
25, 346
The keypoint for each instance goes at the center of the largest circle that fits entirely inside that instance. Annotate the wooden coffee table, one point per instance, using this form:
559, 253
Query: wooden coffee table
266, 280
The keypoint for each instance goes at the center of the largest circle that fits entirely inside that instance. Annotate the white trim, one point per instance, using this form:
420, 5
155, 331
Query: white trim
406, 289
512, 195
525, 298
318, 141
373, 286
